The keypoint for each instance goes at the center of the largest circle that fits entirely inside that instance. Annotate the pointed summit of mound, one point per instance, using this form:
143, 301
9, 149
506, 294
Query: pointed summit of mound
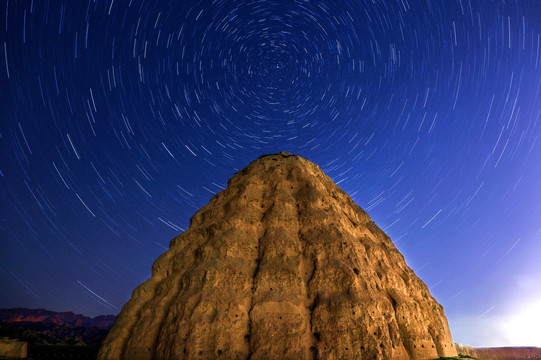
281, 265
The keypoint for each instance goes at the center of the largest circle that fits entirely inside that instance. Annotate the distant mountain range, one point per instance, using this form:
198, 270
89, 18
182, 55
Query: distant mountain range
40, 326
19, 315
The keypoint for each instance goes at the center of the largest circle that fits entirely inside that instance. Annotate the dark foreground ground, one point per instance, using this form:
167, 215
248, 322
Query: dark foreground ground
498, 353
56, 341
509, 353
82, 352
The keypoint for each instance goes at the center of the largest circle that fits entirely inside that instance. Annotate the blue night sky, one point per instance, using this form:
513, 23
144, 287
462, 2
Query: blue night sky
119, 119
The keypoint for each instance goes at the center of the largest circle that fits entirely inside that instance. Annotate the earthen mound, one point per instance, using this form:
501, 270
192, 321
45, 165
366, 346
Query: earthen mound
281, 265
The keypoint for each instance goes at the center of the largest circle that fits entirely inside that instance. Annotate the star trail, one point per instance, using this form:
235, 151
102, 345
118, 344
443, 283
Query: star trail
119, 119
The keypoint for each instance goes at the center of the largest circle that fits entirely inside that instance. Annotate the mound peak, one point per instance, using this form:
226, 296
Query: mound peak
282, 264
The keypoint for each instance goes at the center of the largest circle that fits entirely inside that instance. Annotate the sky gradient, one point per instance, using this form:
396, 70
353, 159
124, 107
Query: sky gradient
119, 119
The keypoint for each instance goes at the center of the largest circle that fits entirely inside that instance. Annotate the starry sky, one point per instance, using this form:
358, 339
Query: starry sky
121, 118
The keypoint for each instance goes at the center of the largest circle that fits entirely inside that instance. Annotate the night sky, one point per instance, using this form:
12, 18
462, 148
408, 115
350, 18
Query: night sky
119, 119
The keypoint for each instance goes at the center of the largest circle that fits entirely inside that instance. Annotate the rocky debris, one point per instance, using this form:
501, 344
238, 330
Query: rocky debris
465, 350
12, 348
281, 265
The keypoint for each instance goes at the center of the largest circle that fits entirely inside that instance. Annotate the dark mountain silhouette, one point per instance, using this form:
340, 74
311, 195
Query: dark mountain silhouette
20, 315
44, 327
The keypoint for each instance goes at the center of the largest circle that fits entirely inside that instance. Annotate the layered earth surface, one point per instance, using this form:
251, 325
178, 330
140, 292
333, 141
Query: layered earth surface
281, 265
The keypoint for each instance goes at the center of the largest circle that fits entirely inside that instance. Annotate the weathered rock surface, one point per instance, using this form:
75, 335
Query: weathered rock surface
13, 349
281, 265
466, 350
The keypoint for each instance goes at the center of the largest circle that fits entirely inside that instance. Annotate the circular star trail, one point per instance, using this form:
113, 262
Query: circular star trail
119, 119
